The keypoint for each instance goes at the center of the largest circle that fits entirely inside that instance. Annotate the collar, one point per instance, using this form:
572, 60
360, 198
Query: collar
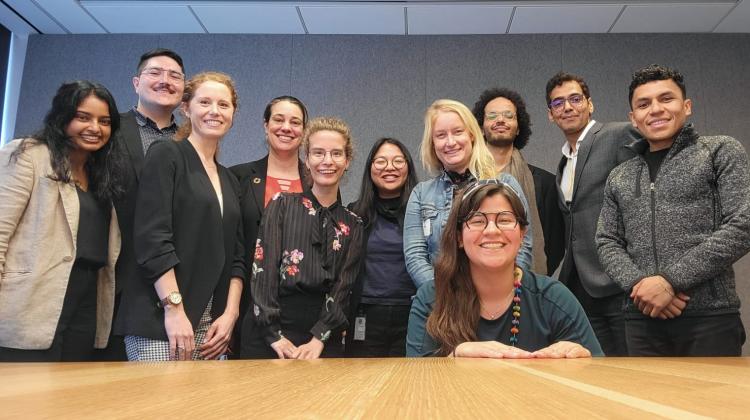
566, 147
316, 204
143, 121
687, 135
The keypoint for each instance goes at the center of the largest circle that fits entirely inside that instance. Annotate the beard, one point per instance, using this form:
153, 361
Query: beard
497, 141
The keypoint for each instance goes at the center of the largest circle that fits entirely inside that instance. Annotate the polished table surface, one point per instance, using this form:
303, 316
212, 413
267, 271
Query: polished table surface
678, 388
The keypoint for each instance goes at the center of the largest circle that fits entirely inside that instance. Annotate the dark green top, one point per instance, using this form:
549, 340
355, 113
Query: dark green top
549, 313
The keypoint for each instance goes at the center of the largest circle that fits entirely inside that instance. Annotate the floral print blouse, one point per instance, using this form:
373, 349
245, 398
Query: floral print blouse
304, 247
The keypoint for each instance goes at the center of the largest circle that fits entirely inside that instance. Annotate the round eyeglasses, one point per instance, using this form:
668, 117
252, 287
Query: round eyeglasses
478, 221
319, 155
381, 163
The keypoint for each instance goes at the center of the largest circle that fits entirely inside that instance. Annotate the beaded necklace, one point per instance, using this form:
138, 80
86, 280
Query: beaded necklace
516, 322
515, 307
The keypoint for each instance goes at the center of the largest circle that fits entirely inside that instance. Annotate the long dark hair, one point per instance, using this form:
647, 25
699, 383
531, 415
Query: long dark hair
104, 166
364, 207
455, 316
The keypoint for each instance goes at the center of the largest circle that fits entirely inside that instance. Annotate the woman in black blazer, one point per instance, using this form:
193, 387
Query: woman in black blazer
281, 170
187, 237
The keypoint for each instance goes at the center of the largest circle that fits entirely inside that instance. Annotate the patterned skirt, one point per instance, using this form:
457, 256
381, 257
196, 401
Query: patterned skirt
149, 350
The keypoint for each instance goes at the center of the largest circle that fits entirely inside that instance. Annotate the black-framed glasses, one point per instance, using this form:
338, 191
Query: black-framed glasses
381, 163
478, 221
492, 116
575, 100
156, 72
319, 155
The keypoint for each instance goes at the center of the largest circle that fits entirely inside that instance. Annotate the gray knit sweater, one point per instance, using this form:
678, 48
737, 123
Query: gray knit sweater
688, 226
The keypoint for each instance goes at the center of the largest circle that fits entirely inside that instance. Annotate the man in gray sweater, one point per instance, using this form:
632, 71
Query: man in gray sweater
674, 220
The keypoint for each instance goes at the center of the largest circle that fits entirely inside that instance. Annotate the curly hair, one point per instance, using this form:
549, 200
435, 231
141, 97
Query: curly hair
524, 120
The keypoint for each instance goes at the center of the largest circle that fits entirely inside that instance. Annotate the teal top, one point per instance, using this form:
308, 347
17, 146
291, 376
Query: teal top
549, 313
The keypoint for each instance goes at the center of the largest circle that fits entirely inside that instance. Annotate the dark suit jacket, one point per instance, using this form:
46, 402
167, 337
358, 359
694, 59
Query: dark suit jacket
550, 215
602, 150
179, 224
130, 136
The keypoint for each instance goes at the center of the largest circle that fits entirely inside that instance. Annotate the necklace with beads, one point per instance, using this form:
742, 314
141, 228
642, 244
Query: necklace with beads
515, 307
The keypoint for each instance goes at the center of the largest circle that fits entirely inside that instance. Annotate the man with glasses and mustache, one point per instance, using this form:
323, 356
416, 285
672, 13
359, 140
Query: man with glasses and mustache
159, 81
590, 152
506, 126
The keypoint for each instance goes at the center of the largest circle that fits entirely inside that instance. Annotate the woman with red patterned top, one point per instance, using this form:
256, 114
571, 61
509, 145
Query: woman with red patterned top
306, 258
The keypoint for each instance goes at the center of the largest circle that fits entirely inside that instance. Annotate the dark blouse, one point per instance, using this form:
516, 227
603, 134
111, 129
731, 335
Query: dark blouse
305, 248
92, 239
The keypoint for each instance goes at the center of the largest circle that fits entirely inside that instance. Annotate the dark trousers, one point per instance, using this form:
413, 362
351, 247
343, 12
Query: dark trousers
605, 315
717, 335
299, 313
76, 329
385, 331
115, 350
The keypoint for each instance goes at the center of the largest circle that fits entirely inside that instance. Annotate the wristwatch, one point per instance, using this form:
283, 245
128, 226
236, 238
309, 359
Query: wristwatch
173, 298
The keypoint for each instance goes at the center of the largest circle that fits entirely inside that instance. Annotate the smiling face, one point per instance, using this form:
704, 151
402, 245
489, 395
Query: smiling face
491, 248
284, 127
659, 112
90, 128
162, 91
390, 179
571, 119
498, 129
326, 158
210, 110
452, 142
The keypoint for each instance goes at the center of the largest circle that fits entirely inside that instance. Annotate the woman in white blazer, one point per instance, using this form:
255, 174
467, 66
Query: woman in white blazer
59, 238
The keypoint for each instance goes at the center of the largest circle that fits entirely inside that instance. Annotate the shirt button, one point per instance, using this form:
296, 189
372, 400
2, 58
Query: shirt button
67, 258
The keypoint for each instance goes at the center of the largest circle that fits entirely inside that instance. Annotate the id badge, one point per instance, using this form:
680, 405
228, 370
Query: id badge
359, 328
426, 225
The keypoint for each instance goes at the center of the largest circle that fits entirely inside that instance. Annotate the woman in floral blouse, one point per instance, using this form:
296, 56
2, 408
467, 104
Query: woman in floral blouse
306, 258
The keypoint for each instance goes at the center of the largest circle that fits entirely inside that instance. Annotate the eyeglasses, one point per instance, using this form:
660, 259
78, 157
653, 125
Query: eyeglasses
478, 221
319, 155
558, 104
492, 116
381, 163
156, 72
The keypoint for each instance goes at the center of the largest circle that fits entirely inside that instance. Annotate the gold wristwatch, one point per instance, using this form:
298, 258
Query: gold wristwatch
173, 298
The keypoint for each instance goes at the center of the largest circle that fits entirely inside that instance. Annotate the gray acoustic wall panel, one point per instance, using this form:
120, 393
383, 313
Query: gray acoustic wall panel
381, 85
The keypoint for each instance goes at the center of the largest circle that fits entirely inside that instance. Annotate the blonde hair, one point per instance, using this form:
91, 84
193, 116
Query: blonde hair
481, 165
193, 84
334, 124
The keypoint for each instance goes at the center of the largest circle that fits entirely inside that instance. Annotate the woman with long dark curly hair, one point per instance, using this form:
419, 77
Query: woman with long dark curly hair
59, 237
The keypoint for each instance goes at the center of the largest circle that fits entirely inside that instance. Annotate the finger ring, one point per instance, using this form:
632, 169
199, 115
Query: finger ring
180, 348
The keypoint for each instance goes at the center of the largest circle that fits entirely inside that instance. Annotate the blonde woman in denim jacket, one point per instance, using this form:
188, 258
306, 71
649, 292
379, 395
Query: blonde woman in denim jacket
453, 147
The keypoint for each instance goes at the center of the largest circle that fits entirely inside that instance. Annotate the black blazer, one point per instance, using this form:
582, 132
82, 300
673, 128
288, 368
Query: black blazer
553, 222
252, 181
132, 153
179, 224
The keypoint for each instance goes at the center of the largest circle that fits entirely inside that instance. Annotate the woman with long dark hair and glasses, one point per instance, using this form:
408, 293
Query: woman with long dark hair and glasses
482, 304
381, 297
59, 237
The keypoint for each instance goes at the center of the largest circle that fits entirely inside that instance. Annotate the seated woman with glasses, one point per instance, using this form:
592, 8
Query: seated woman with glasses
481, 303
453, 147
381, 297
306, 258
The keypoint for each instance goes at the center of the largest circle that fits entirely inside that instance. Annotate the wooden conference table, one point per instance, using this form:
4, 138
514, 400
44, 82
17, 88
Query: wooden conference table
381, 388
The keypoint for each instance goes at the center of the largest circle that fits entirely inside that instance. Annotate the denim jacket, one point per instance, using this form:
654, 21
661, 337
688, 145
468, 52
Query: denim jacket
426, 215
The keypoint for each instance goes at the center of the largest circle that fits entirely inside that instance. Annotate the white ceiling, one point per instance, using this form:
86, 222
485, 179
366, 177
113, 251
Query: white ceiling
387, 17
